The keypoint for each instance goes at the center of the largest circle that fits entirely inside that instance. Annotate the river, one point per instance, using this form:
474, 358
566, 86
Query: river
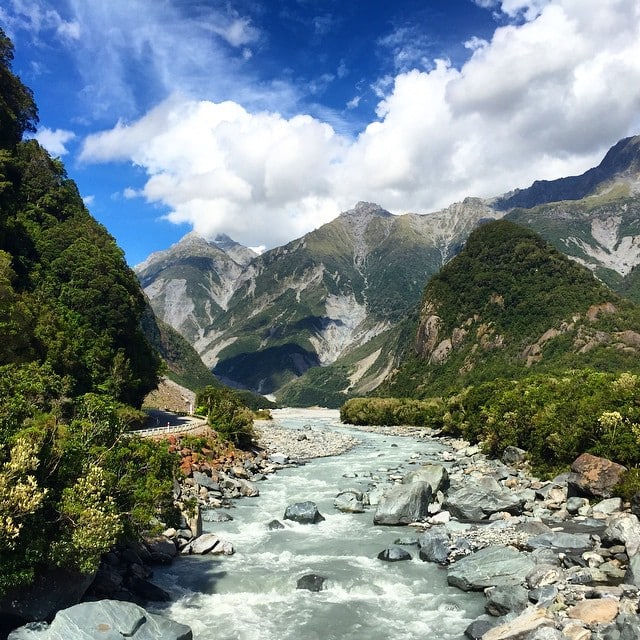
252, 595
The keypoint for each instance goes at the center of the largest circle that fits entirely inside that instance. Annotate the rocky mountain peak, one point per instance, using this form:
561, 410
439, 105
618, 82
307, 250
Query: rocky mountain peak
621, 163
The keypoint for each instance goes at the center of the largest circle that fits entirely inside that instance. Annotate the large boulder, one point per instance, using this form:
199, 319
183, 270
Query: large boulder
394, 554
303, 512
562, 541
434, 545
480, 500
594, 477
108, 619
623, 528
311, 582
209, 543
489, 567
433, 474
403, 503
349, 501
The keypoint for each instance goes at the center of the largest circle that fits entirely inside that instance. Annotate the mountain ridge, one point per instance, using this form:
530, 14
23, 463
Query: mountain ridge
322, 298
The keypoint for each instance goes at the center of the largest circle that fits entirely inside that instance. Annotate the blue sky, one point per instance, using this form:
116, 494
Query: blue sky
263, 120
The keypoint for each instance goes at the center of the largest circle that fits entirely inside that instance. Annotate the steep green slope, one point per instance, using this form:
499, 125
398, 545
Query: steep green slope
72, 358
509, 305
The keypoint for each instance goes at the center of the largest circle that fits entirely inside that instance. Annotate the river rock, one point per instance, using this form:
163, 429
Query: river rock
513, 455
394, 554
433, 474
504, 599
273, 525
434, 545
209, 543
488, 567
561, 541
108, 619
203, 480
480, 500
592, 612
480, 626
595, 477
403, 503
303, 512
623, 528
349, 501
311, 582
522, 627
215, 515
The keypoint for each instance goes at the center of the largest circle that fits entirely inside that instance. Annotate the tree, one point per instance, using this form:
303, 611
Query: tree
18, 111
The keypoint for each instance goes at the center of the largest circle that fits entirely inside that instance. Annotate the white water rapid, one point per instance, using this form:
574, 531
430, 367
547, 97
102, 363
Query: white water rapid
252, 595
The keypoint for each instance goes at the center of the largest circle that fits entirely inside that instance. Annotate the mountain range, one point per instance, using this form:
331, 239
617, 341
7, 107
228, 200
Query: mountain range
322, 317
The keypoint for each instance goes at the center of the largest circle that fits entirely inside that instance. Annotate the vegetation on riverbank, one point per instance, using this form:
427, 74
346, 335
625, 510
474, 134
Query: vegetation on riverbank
74, 362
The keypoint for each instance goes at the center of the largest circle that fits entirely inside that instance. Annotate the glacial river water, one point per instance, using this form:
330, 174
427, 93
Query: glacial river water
252, 595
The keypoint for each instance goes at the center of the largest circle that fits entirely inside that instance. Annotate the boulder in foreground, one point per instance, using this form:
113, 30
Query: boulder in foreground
109, 619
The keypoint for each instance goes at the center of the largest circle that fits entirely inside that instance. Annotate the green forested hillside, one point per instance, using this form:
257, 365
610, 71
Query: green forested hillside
509, 305
74, 364
519, 345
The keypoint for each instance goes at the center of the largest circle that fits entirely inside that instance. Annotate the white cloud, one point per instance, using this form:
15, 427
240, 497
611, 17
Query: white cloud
542, 99
54, 141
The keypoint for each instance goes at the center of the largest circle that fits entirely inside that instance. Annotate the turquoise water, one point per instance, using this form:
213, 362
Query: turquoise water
252, 595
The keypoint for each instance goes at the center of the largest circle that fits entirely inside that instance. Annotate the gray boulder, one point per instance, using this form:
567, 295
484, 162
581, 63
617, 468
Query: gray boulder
214, 515
561, 541
394, 554
209, 543
504, 599
434, 545
403, 503
203, 480
488, 567
311, 582
349, 501
108, 619
480, 500
304, 513
479, 627
513, 455
433, 474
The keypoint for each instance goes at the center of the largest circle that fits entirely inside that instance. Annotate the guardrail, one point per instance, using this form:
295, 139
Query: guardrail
169, 429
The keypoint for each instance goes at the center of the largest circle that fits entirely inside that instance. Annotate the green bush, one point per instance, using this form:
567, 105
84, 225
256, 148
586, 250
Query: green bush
226, 414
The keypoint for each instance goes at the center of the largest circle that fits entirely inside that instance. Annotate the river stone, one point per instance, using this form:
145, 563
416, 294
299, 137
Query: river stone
623, 528
394, 554
592, 476
608, 506
303, 512
561, 541
311, 582
513, 455
477, 629
403, 503
488, 567
629, 626
433, 474
521, 627
275, 524
108, 619
349, 501
504, 599
214, 515
435, 545
209, 543
203, 480
279, 458
594, 611
478, 502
